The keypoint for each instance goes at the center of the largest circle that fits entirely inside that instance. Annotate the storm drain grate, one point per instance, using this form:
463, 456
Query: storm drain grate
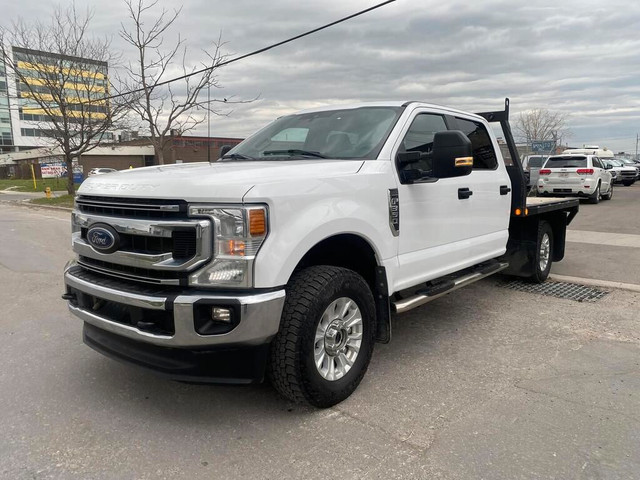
571, 291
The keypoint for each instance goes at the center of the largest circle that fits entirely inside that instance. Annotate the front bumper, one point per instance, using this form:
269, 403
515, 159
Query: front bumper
149, 326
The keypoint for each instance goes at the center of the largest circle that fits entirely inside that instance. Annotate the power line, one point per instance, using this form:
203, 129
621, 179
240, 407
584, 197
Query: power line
255, 52
226, 62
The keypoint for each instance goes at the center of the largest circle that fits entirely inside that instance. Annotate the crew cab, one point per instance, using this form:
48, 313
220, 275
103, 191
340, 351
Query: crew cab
289, 254
575, 175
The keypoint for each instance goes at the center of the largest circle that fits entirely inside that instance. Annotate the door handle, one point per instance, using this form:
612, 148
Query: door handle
464, 193
504, 189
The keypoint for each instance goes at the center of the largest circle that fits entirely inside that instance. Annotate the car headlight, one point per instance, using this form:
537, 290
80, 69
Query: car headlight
239, 233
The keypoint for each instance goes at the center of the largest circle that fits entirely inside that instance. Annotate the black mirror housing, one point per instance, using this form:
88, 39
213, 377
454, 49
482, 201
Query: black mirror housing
407, 158
452, 154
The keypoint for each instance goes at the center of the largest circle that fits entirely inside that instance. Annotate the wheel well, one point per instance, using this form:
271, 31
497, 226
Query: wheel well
344, 250
355, 253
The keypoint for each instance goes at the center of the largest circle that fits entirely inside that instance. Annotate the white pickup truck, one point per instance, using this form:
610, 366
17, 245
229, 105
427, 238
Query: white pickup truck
288, 255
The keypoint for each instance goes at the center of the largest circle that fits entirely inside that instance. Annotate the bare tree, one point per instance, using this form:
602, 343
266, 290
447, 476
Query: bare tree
61, 80
542, 124
166, 107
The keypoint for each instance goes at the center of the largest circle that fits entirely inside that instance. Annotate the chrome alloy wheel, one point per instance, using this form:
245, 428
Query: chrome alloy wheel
338, 339
545, 251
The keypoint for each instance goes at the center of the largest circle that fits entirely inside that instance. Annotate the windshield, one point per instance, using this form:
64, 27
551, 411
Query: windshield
357, 133
616, 163
566, 162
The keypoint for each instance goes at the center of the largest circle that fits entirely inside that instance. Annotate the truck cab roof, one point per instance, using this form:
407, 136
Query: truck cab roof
389, 103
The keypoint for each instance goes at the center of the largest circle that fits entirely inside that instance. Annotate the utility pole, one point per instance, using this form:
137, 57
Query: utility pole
637, 138
209, 123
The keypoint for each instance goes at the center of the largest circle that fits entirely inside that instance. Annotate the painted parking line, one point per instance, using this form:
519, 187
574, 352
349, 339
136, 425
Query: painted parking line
604, 238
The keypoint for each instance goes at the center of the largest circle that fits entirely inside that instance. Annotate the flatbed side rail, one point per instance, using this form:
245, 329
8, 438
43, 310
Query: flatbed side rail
515, 170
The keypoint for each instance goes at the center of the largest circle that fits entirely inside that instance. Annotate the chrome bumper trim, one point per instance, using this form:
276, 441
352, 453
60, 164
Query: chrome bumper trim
259, 316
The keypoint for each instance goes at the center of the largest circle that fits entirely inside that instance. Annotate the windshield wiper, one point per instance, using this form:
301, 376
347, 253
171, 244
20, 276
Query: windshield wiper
294, 151
238, 156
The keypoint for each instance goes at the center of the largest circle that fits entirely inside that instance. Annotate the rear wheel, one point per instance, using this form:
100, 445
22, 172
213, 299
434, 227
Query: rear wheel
544, 253
595, 197
609, 194
326, 339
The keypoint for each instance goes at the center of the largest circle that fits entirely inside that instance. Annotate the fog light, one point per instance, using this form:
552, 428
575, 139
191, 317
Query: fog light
214, 319
221, 315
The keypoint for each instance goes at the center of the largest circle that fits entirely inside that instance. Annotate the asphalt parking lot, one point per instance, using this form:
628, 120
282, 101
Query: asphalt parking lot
487, 383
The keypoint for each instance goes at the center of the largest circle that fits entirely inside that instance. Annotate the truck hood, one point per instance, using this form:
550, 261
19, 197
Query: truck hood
217, 182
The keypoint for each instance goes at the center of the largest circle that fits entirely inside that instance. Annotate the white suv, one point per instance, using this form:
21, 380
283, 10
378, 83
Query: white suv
577, 176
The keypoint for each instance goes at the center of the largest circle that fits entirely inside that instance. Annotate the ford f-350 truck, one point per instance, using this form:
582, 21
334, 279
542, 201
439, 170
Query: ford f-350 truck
288, 255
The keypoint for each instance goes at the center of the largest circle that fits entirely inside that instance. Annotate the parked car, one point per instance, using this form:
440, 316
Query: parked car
575, 176
632, 164
101, 171
624, 174
531, 165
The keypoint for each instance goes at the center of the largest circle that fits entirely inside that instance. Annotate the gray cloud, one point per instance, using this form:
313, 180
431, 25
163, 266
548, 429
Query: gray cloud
578, 57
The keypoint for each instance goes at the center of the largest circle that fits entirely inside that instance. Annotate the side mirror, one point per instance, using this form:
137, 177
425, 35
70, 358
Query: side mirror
452, 154
224, 150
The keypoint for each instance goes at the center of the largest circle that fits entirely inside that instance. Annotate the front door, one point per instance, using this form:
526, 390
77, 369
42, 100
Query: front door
442, 229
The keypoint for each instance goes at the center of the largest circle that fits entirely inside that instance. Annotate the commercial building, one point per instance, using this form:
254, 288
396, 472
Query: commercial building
131, 154
23, 121
6, 136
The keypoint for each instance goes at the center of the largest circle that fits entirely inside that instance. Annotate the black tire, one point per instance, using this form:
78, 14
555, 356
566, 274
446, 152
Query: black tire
627, 184
292, 368
541, 275
609, 194
595, 198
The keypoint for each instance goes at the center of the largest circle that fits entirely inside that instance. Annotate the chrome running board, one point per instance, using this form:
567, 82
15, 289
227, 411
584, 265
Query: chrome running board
452, 283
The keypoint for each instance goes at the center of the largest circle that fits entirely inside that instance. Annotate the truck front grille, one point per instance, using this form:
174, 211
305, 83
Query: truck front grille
156, 242
182, 243
128, 272
131, 207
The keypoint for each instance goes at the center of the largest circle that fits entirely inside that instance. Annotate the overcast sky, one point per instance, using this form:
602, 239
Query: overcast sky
579, 57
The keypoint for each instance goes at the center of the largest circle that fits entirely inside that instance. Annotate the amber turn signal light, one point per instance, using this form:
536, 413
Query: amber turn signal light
257, 222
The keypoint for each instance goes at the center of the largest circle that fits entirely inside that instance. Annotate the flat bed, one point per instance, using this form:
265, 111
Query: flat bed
537, 205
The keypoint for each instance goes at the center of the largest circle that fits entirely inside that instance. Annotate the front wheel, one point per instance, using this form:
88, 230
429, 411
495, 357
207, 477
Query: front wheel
627, 184
326, 336
544, 253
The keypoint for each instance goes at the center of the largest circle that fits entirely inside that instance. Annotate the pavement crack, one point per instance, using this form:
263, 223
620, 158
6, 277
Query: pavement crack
404, 442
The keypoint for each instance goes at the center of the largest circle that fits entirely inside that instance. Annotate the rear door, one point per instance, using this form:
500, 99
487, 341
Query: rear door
489, 213
601, 173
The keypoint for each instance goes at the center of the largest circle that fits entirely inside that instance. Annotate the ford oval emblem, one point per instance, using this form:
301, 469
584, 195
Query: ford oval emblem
103, 238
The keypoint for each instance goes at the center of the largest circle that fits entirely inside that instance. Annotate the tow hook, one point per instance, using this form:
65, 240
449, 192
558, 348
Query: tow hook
71, 297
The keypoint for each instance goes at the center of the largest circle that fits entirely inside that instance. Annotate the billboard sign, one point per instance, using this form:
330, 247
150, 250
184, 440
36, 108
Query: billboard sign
59, 170
543, 146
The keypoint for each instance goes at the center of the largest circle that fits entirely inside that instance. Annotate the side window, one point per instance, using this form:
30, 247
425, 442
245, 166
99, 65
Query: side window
596, 162
484, 157
419, 138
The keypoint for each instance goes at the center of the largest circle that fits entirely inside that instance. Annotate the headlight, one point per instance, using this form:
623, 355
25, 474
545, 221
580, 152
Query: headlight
239, 233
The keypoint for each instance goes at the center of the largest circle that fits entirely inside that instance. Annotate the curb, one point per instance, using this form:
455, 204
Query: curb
28, 204
631, 287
